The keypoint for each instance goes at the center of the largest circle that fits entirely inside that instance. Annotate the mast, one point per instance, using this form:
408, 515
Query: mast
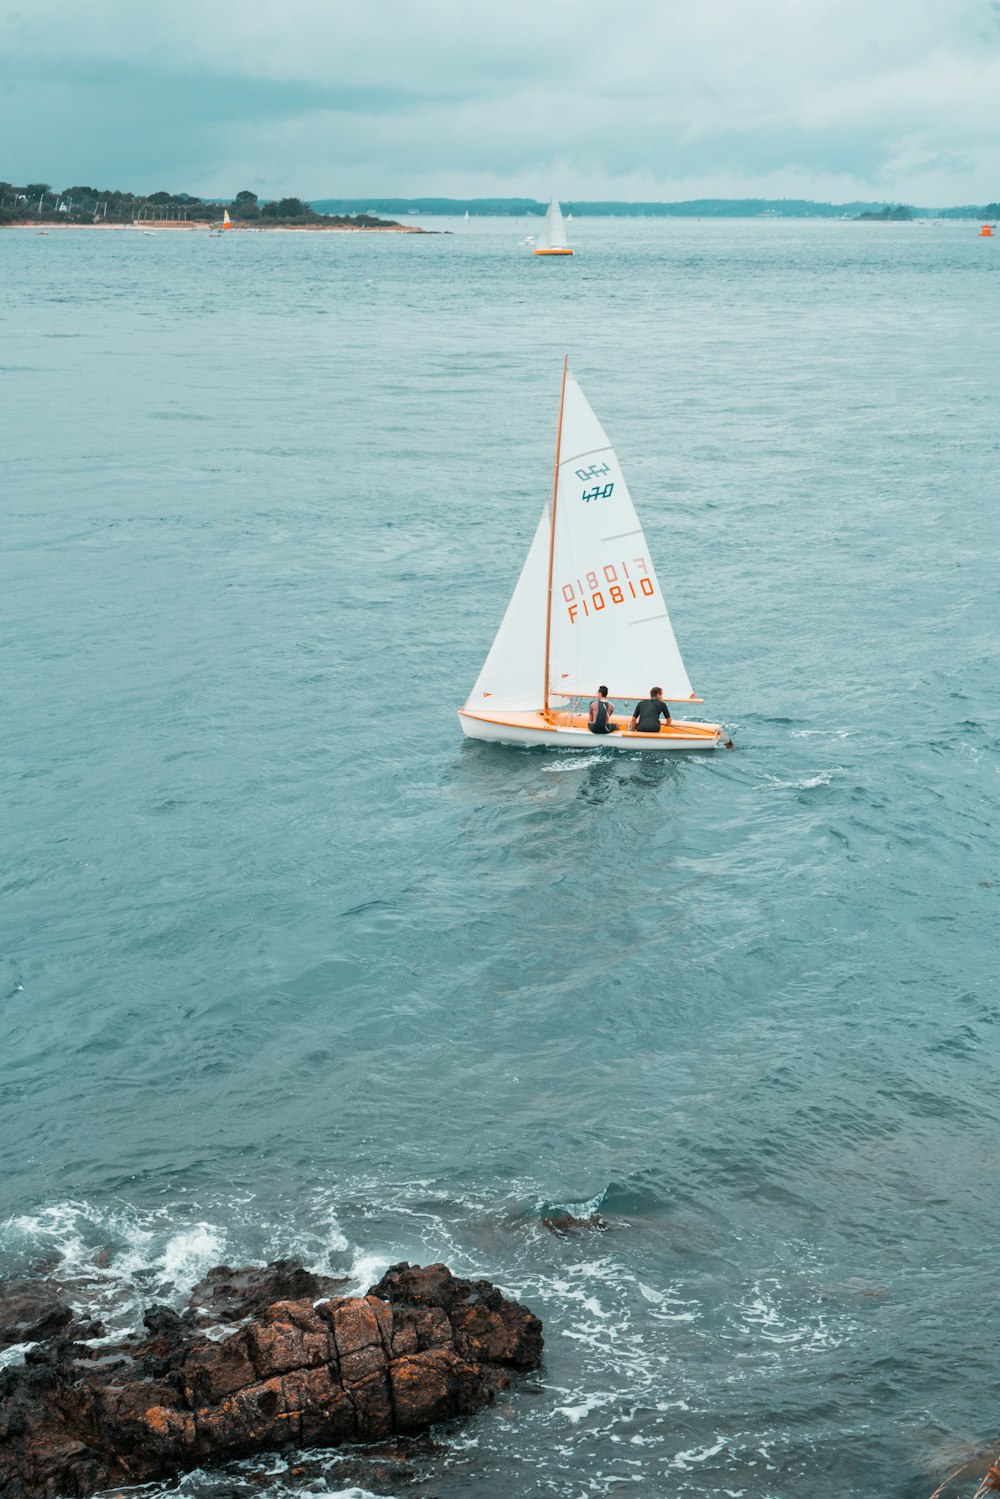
552, 537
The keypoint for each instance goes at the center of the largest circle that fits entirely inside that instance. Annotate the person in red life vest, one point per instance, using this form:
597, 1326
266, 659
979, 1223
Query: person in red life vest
601, 714
647, 714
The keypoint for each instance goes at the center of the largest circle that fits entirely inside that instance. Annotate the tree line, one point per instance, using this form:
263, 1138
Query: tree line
90, 205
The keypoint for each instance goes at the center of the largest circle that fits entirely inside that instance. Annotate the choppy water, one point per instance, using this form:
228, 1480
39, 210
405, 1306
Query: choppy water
290, 968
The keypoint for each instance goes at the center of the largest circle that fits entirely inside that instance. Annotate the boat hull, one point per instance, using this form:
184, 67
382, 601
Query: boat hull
535, 729
552, 252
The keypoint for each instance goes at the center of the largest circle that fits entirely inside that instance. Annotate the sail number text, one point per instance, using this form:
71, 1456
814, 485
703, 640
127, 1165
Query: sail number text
599, 491
616, 583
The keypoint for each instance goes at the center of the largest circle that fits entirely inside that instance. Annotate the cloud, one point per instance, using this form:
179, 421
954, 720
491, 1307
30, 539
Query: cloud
653, 99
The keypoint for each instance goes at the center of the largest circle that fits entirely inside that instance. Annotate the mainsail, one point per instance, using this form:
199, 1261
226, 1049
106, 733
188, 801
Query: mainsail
607, 620
552, 235
609, 617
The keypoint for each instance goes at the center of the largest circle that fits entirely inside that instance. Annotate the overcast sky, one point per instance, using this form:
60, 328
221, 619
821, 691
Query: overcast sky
656, 99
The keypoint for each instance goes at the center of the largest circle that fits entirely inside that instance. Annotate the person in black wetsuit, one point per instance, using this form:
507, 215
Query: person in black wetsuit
647, 715
601, 712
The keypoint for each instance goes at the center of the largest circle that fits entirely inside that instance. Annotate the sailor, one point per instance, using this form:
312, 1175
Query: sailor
647, 714
601, 714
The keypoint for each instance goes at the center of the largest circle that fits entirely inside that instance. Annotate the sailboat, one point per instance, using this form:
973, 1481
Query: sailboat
587, 609
227, 223
552, 236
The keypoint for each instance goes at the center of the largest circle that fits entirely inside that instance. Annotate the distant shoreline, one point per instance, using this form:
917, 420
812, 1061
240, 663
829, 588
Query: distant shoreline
691, 208
154, 226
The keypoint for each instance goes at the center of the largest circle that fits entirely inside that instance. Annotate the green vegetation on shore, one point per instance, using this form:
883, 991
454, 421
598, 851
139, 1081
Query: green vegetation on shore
36, 201
89, 205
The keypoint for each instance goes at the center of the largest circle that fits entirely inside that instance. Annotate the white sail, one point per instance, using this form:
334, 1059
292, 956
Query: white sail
513, 674
552, 235
609, 617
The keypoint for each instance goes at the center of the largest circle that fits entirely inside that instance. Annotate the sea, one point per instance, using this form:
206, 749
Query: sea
291, 968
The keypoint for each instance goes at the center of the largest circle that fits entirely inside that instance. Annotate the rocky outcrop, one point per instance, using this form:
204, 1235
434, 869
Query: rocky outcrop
562, 1224
227, 1295
259, 1360
30, 1310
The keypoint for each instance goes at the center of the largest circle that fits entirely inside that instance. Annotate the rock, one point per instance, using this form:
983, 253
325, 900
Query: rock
565, 1223
30, 1311
227, 1295
294, 1371
478, 1315
380, 1469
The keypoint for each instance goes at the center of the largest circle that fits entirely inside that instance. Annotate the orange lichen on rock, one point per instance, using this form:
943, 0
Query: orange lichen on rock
297, 1369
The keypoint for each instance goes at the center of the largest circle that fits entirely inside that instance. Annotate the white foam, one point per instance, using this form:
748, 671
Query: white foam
107, 1258
354, 1493
696, 1455
581, 760
111, 1263
576, 1413
808, 783
316, 1250
822, 779
11, 1357
53, 1228
763, 1318
366, 1270
337, 1241
188, 1255
576, 1209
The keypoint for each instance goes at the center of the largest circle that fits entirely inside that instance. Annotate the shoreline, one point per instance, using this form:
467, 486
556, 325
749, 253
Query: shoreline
193, 226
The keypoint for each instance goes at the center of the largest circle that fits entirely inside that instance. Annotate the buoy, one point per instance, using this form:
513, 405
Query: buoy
986, 232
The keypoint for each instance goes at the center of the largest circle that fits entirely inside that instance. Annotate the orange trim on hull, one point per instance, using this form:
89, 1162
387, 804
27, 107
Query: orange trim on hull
537, 723
552, 252
672, 731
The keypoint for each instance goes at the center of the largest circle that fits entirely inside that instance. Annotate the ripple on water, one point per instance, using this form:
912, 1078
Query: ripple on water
291, 968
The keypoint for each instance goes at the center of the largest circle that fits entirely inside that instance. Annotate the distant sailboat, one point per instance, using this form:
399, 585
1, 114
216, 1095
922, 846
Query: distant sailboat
466, 215
587, 609
552, 236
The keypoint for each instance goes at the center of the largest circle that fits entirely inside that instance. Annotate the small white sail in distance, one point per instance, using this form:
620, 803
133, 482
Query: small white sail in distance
552, 235
609, 620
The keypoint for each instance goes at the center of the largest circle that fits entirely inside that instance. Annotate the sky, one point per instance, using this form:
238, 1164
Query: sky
837, 100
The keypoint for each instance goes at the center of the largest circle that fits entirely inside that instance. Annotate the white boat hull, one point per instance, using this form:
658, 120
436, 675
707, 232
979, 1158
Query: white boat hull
535, 729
